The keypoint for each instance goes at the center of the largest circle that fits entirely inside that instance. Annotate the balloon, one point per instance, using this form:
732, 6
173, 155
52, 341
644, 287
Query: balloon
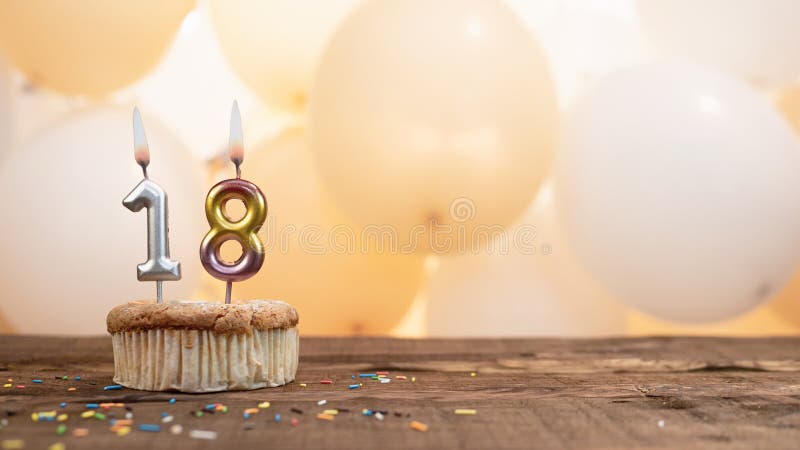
88, 47
433, 113
5, 109
789, 106
195, 64
678, 188
751, 38
335, 290
69, 247
536, 288
274, 45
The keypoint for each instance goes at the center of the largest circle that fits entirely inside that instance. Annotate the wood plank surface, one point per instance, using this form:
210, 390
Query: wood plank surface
528, 393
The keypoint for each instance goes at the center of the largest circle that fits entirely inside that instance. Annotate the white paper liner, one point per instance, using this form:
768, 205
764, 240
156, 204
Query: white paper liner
203, 361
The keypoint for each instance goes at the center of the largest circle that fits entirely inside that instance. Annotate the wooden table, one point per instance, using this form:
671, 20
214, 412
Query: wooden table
528, 393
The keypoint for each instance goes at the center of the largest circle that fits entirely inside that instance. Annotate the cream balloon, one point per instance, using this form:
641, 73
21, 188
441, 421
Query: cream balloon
87, 47
309, 262
755, 39
274, 45
5, 109
679, 191
535, 288
69, 247
421, 106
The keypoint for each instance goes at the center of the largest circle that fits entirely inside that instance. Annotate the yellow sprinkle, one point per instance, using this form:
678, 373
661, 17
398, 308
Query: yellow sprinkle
122, 431
35, 417
251, 410
72, 389
302, 385
472, 374
47, 414
57, 446
87, 414
419, 426
466, 412
331, 412
263, 405
13, 444
413, 379
62, 417
324, 416
7, 385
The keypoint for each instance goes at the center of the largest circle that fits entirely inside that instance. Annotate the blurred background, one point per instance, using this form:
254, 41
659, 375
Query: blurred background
432, 168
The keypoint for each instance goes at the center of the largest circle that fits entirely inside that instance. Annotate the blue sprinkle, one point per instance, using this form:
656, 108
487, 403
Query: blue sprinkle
353, 377
367, 412
172, 401
353, 386
92, 406
113, 387
47, 419
246, 416
210, 407
149, 427
112, 422
77, 377
367, 375
38, 381
277, 417
63, 405
164, 414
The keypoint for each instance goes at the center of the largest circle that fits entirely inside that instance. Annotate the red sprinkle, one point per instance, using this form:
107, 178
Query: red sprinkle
382, 373
20, 386
325, 382
294, 421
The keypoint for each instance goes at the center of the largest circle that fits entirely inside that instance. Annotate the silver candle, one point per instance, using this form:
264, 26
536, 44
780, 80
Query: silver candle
148, 194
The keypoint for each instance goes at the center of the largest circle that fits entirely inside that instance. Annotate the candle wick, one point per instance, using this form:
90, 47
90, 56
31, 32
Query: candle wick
238, 169
144, 170
228, 289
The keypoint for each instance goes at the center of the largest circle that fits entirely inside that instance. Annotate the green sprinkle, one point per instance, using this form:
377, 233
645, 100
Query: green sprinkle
61, 429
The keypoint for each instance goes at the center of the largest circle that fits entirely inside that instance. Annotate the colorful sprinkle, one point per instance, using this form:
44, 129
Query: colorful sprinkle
466, 412
277, 417
331, 412
294, 421
366, 412
172, 401
12, 444
123, 431
385, 380
472, 374
8, 385
99, 416
367, 375
38, 381
150, 427
321, 402
61, 429
325, 381
62, 417
353, 386
203, 434
167, 419
72, 389
400, 377
413, 379
176, 429
323, 416
57, 446
246, 416
303, 385
382, 372
77, 378
88, 414
263, 405
63, 404
20, 386
80, 432
379, 416
113, 387
419, 426
92, 406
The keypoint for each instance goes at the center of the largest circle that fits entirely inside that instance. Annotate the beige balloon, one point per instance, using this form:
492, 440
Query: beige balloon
433, 112
274, 45
336, 292
88, 47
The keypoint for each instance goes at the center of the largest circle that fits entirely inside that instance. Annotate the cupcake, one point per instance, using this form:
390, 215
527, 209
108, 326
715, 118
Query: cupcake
204, 347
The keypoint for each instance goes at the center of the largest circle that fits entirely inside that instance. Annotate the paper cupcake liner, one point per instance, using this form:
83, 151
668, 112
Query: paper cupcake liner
203, 361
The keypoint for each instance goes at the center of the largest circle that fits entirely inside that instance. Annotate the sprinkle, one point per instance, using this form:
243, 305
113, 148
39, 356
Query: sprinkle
120, 423
203, 434
72, 389
296, 411
366, 412
13, 444
197, 413
419, 426
263, 405
61, 429
323, 416
385, 380
472, 374
294, 421
382, 372
661, 423
379, 416
129, 415
353, 377
176, 429
123, 431
325, 381
38, 381
331, 412
353, 386
400, 377
246, 416
100, 416
113, 387
366, 375
92, 406
20, 386
64, 377
57, 446
321, 402
413, 379
35, 417
466, 412
88, 414
167, 419
7, 385
303, 385
62, 417
251, 410
172, 401
63, 405
277, 418
150, 427
80, 432
77, 378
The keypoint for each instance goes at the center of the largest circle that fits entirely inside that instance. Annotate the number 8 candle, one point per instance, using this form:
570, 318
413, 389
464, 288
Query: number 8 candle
224, 228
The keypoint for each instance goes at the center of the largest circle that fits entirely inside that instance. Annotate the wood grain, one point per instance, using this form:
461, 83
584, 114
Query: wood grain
529, 393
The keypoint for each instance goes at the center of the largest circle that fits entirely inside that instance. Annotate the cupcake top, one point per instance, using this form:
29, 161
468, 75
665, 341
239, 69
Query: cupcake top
235, 318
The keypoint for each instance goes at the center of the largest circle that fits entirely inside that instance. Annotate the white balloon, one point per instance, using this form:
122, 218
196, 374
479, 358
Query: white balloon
679, 190
518, 294
756, 39
69, 247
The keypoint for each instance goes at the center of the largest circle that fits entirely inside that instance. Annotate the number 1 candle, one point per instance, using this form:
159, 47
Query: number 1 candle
148, 194
224, 228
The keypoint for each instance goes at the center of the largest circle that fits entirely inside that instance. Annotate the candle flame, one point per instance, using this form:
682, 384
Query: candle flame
141, 152
236, 140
